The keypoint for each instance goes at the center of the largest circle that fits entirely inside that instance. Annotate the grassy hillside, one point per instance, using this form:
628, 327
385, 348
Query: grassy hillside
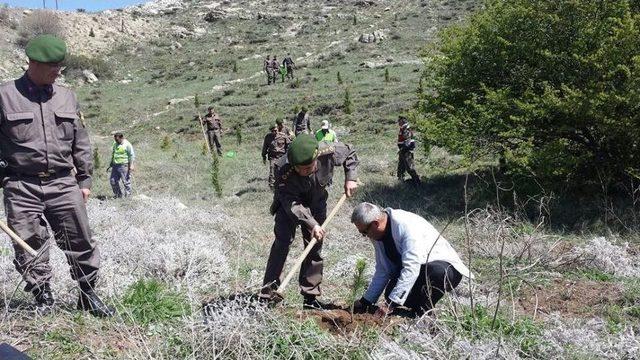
540, 292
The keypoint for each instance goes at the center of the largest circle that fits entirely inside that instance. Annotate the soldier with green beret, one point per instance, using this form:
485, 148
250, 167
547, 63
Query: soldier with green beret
48, 177
300, 198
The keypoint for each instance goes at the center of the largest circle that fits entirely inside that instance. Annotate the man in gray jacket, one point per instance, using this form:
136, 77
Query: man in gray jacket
415, 265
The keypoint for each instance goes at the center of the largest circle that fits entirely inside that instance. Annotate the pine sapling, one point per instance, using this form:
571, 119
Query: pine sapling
96, 159
205, 148
339, 78
215, 175
355, 20
166, 143
238, 129
347, 105
386, 75
358, 282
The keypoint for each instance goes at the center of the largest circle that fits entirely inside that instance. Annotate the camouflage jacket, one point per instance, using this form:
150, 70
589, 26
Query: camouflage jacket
212, 121
275, 145
300, 195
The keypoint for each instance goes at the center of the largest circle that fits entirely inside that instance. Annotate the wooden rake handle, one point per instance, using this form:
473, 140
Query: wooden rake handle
310, 246
17, 239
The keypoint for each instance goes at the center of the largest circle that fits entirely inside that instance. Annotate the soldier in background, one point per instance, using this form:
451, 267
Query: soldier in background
48, 177
275, 69
284, 129
301, 123
274, 146
214, 130
289, 64
266, 66
406, 145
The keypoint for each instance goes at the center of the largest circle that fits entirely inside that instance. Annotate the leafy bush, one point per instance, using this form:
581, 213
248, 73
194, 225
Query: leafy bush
38, 23
76, 63
549, 86
148, 301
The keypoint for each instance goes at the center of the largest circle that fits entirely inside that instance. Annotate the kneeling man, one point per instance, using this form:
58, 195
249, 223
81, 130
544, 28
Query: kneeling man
415, 265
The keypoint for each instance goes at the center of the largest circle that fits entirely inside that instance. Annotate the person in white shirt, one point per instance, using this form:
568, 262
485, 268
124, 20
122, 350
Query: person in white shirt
415, 265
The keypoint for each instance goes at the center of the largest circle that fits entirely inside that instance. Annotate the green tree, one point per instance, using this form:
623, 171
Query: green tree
552, 87
347, 106
386, 75
339, 78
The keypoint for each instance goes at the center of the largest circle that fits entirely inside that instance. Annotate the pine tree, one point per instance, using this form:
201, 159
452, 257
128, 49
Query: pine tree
386, 75
347, 105
339, 78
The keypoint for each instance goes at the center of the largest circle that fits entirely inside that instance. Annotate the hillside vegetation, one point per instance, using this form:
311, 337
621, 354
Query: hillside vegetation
551, 281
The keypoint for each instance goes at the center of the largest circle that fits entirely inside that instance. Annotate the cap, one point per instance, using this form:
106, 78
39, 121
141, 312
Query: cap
325, 125
46, 48
302, 150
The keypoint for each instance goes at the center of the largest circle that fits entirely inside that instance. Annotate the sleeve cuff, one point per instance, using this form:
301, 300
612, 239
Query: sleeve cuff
351, 176
84, 183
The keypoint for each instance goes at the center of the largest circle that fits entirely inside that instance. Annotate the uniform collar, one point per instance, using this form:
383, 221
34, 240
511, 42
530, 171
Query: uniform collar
34, 91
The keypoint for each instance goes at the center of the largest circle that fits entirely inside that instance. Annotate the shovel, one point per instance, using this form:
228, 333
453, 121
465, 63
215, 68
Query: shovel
279, 294
17, 239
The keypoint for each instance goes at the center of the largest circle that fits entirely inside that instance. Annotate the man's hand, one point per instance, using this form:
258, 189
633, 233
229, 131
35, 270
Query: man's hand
350, 187
361, 306
85, 194
384, 310
318, 232
131, 167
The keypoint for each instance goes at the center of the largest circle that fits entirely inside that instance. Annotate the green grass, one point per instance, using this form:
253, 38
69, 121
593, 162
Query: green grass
149, 301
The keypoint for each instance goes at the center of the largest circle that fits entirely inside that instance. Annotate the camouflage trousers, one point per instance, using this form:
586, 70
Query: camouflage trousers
30, 203
406, 164
273, 167
213, 138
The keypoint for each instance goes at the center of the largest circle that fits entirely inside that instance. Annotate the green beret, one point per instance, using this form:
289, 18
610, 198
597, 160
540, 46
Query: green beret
46, 49
273, 127
279, 121
302, 150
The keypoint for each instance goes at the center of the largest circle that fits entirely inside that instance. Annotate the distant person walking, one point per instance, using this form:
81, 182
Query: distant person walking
122, 157
406, 145
325, 133
266, 67
301, 123
274, 147
289, 64
214, 130
275, 69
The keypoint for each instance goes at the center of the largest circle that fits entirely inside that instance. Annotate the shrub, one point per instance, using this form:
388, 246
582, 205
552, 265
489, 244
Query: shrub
347, 106
339, 78
76, 63
91, 33
215, 174
166, 143
149, 301
38, 23
386, 75
97, 164
549, 86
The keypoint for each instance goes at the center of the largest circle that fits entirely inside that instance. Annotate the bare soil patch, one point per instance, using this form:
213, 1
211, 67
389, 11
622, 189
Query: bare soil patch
572, 298
340, 321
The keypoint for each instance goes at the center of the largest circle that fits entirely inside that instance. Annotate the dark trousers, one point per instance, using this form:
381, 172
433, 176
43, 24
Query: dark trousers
30, 203
435, 279
310, 275
213, 136
406, 164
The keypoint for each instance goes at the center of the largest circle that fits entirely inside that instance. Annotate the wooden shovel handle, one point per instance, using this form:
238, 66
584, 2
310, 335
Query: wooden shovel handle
17, 239
310, 246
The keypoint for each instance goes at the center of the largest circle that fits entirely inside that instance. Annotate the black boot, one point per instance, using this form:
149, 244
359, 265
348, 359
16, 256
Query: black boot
44, 299
89, 301
311, 303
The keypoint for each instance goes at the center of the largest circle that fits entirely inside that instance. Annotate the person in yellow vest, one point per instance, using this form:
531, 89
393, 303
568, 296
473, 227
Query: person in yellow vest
122, 157
325, 133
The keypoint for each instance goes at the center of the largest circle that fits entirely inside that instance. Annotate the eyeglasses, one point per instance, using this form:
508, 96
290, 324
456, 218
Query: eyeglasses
365, 232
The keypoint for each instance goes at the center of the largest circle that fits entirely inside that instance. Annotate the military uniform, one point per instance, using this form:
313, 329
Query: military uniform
214, 128
266, 67
288, 63
275, 70
274, 147
406, 144
302, 123
49, 159
302, 200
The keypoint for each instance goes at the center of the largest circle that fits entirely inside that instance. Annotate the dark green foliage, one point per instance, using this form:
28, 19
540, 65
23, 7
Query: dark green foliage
347, 105
76, 63
149, 301
359, 282
97, 164
238, 130
91, 33
355, 20
339, 78
196, 102
235, 66
215, 174
552, 87
166, 143
386, 75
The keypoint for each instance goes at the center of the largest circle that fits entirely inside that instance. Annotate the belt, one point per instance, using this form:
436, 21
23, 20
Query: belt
44, 175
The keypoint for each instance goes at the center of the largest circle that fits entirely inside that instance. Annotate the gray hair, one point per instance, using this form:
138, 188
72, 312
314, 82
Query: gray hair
365, 213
